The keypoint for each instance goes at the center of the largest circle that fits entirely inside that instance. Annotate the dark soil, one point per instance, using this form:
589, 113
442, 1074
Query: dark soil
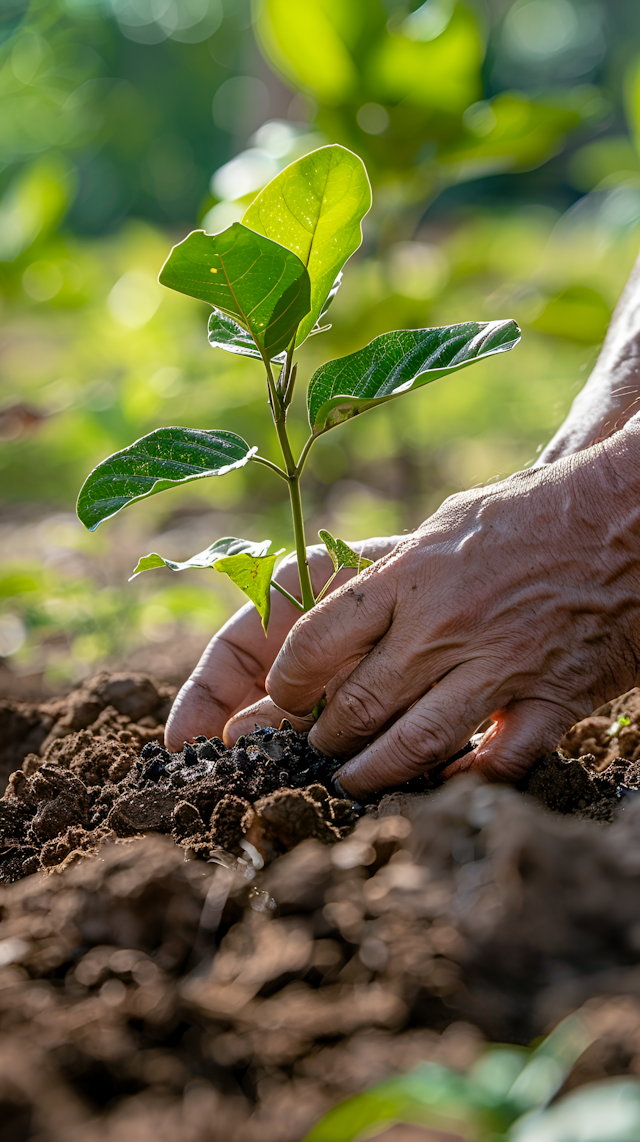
101, 770
148, 998
284, 947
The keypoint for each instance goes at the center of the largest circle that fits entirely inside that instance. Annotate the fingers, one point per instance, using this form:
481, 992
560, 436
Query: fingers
231, 672
435, 728
395, 673
521, 733
329, 639
225, 676
261, 713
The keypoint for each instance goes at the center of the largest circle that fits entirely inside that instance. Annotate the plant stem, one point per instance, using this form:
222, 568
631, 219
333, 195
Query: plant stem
293, 475
291, 598
273, 467
306, 589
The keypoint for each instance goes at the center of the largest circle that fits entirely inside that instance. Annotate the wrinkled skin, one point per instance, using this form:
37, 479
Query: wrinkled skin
225, 695
516, 603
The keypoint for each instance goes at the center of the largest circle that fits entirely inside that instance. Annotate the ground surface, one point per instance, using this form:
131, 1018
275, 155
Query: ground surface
291, 947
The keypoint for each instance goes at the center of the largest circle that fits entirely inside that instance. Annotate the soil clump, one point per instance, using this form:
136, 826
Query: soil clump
280, 947
145, 997
101, 770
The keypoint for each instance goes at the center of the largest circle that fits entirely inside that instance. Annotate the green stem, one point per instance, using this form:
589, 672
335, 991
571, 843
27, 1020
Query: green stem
269, 464
291, 598
305, 452
306, 589
293, 475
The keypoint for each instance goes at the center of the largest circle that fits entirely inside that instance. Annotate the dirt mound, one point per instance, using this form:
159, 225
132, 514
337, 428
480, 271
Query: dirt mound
110, 703
102, 770
149, 997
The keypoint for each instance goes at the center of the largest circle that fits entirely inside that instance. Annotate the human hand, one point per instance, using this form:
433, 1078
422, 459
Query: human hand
519, 602
225, 695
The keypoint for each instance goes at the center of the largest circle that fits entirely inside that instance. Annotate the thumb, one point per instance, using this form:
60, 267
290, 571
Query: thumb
520, 734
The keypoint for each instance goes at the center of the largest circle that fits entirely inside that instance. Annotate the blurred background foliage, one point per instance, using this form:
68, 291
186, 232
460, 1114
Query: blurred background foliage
502, 142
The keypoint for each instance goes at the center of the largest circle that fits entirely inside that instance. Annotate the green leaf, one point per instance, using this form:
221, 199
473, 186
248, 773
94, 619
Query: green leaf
342, 555
399, 362
257, 282
252, 574
225, 333
246, 563
229, 545
163, 459
304, 43
315, 208
509, 132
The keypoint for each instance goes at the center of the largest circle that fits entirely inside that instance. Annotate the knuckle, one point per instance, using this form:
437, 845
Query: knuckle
363, 710
424, 740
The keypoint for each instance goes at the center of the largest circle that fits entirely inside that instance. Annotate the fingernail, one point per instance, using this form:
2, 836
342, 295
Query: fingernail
340, 790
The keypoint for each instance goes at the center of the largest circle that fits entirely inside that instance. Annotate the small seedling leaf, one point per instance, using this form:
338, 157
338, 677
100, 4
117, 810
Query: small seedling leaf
252, 574
225, 333
397, 363
229, 545
315, 208
258, 283
342, 555
163, 459
619, 724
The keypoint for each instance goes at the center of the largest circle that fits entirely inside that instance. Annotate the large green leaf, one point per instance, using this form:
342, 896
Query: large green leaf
247, 564
398, 362
257, 282
315, 208
164, 458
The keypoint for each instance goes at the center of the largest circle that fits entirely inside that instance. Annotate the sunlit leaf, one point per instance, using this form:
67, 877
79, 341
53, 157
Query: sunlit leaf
434, 71
229, 545
315, 208
257, 282
225, 333
161, 460
342, 555
252, 574
509, 132
303, 42
247, 564
399, 362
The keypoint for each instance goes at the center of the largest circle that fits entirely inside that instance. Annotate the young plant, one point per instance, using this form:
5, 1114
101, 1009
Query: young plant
269, 282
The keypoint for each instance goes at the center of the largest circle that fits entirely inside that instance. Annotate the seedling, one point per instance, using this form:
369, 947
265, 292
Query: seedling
269, 282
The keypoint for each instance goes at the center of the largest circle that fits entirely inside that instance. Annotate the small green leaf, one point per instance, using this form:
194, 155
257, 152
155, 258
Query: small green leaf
399, 362
619, 724
246, 563
319, 327
163, 459
315, 208
229, 545
255, 281
225, 333
342, 555
252, 574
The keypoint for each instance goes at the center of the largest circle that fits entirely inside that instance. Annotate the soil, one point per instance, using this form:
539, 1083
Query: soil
213, 946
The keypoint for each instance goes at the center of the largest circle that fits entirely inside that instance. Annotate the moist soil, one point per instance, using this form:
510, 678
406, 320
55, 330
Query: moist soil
216, 945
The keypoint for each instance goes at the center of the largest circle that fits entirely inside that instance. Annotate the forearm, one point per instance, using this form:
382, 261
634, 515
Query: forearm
611, 395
